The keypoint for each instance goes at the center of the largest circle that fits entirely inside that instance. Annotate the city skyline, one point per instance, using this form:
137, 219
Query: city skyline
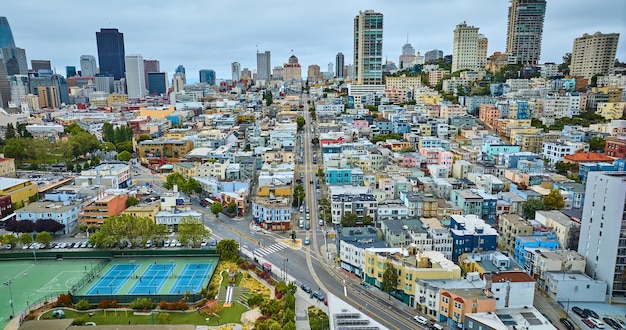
220, 41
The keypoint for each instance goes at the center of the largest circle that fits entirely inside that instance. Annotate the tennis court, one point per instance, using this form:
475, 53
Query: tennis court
152, 279
113, 280
191, 278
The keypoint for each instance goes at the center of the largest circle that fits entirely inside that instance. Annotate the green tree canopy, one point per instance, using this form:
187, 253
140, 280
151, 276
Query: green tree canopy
192, 230
132, 201
390, 278
25, 238
554, 200
300, 121
228, 249
125, 227
530, 206
186, 186
368, 221
216, 208
231, 207
44, 238
124, 156
562, 167
597, 143
298, 195
349, 220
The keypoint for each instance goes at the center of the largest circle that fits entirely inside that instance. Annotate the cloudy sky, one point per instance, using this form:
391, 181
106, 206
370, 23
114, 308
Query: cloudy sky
210, 34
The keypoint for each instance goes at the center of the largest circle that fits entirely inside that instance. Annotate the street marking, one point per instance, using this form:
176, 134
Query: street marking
270, 249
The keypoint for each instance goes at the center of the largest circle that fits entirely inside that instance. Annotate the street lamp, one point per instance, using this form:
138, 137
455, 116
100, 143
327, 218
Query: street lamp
8, 283
207, 322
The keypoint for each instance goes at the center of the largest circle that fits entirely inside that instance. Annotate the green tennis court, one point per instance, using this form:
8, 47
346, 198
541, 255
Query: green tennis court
32, 281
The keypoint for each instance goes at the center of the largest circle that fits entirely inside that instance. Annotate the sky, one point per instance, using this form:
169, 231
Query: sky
210, 34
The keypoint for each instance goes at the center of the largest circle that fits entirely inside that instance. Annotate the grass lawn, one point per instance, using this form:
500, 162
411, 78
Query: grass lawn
225, 278
227, 315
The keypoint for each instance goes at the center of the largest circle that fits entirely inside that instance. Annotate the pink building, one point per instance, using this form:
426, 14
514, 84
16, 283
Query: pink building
408, 161
360, 123
437, 156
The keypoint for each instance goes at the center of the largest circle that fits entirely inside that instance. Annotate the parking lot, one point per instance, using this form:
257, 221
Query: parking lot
615, 312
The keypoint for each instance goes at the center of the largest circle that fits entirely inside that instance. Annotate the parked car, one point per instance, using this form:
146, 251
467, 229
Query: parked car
318, 295
578, 311
213, 244
420, 319
612, 323
307, 209
590, 313
307, 225
596, 322
567, 323
588, 323
307, 241
320, 222
306, 288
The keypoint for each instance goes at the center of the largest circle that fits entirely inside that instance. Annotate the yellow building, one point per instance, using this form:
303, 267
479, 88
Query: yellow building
153, 151
186, 169
509, 227
403, 82
428, 265
277, 191
156, 112
144, 210
7, 167
20, 190
512, 132
114, 98
612, 110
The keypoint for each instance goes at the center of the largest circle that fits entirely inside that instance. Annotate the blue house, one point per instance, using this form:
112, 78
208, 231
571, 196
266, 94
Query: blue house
471, 234
548, 241
401, 127
489, 208
338, 176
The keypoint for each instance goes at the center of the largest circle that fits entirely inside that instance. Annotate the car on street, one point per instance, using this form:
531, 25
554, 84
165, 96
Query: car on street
578, 311
567, 323
320, 222
307, 241
420, 319
307, 225
306, 288
598, 324
307, 209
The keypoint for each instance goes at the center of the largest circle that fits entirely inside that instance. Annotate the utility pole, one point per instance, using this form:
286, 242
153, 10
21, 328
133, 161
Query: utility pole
8, 283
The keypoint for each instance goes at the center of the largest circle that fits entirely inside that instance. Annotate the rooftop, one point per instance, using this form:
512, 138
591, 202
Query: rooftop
588, 157
6, 183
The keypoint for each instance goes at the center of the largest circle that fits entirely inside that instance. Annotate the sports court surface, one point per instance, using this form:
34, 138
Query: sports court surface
31, 281
152, 275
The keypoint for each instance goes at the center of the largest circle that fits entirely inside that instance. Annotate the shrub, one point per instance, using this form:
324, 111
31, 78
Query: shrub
163, 304
113, 304
82, 305
255, 300
173, 306
201, 302
163, 318
64, 300
142, 303
104, 303
79, 321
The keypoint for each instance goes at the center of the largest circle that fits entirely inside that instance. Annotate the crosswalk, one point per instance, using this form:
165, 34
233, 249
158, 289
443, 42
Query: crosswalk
270, 249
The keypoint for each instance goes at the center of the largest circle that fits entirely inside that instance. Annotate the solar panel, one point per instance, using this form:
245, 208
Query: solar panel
504, 316
534, 321
509, 322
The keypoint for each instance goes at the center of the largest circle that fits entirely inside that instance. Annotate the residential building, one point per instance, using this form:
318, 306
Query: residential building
567, 286
20, 190
601, 233
7, 168
110, 43
339, 65
96, 213
361, 205
525, 30
467, 200
65, 213
540, 261
351, 245
525, 243
455, 303
594, 54
611, 110
147, 210
471, 234
565, 228
271, 207
108, 175
465, 48
151, 151
615, 147
509, 227
368, 48
508, 318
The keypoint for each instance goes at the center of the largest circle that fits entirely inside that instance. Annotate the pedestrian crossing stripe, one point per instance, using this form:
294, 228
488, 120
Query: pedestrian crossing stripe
270, 249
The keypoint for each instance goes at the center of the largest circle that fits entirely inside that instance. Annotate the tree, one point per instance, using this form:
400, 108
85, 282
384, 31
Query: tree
300, 121
82, 305
597, 143
124, 145
228, 249
192, 230
25, 238
231, 207
562, 167
10, 132
132, 201
349, 220
554, 200
44, 238
298, 195
73, 129
108, 132
143, 137
16, 148
49, 225
124, 156
9, 239
21, 226
390, 278
530, 206
216, 208
269, 99
125, 227
320, 172
164, 318
212, 307
368, 221
564, 67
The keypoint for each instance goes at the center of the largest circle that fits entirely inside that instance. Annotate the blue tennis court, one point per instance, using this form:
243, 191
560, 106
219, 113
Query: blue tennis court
113, 280
191, 278
152, 279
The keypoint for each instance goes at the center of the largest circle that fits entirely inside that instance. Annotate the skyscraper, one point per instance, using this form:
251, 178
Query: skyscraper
525, 29
235, 69
483, 45
111, 52
135, 77
313, 73
88, 66
150, 66
104, 82
37, 65
180, 72
157, 83
602, 231
408, 55
292, 69
14, 60
19, 87
70, 71
5, 88
263, 65
6, 36
593, 54
368, 48
339, 64
465, 48
207, 76
433, 55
